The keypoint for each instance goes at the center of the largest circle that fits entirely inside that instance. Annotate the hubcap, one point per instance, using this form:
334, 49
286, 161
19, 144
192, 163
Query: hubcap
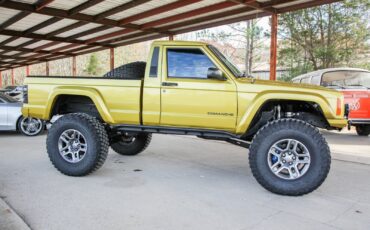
289, 159
72, 146
31, 126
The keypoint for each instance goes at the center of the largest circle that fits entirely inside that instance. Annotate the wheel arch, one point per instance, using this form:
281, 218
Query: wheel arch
321, 105
87, 94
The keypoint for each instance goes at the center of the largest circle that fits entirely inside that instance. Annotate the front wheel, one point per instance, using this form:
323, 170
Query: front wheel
289, 157
30, 126
363, 130
130, 145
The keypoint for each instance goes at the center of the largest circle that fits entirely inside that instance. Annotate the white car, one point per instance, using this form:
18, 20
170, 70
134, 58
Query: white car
11, 118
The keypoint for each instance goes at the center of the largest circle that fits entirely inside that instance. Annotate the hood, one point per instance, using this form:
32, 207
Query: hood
276, 85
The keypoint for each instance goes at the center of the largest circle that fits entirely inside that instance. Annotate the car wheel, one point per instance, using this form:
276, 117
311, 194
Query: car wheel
77, 144
363, 130
133, 144
289, 157
30, 126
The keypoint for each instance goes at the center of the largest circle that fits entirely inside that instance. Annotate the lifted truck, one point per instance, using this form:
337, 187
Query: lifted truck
189, 88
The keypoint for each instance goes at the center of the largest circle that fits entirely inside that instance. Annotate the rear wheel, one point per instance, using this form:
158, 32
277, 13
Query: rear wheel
289, 157
77, 144
130, 145
363, 130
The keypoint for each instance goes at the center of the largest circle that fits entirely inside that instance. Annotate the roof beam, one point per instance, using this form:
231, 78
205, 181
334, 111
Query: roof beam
158, 10
189, 14
83, 6
119, 9
100, 18
305, 5
14, 19
41, 4
43, 37
256, 5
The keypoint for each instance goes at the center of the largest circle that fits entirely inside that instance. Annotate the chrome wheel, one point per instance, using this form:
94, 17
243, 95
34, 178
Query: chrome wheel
31, 126
72, 146
289, 159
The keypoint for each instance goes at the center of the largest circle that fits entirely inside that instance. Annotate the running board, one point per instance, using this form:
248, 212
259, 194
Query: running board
201, 133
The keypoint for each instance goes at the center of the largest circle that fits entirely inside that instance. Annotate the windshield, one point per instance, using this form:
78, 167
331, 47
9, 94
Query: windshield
226, 61
346, 78
7, 98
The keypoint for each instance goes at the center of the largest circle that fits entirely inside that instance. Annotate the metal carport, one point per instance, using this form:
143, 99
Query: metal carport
35, 31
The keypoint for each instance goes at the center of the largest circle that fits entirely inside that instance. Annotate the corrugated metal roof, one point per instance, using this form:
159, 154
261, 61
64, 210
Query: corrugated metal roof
103, 6
62, 23
79, 30
28, 22
19, 41
54, 23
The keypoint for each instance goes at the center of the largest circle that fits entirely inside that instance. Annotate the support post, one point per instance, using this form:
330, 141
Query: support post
1, 80
47, 68
74, 66
27, 70
170, 37
111, 59
273, 47
12, 76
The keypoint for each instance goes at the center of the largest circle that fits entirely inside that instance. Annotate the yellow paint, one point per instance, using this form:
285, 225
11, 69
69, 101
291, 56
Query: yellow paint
200, 103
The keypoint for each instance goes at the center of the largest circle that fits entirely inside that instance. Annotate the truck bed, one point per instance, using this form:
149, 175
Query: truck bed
119, 100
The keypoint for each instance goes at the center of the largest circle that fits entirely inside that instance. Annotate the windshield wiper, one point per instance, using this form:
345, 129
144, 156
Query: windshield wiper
339, 86
359, 85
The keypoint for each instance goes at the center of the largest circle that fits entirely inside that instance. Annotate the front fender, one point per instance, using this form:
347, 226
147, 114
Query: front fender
326, 105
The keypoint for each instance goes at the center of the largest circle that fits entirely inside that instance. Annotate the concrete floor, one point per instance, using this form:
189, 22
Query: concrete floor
177, 183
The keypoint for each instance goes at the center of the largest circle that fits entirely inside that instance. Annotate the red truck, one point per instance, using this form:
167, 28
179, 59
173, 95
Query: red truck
355, 85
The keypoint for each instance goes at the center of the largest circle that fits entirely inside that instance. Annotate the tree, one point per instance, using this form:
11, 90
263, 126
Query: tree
323, 37
245, 34
93, 65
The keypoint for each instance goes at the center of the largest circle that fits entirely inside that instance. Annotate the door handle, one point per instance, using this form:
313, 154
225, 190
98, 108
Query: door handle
169, 84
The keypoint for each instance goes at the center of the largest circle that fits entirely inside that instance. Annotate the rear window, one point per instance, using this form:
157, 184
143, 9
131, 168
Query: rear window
154, 63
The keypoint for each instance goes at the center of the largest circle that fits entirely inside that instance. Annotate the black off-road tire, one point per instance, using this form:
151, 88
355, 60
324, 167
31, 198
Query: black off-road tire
134, 70
141, 142
96, 139
307, 135
363, 130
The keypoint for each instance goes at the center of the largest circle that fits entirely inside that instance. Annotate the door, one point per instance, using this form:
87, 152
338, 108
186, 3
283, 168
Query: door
189, 98
3, 115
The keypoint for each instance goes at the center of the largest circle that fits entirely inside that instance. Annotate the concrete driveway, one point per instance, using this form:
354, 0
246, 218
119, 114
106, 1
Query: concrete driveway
177, 183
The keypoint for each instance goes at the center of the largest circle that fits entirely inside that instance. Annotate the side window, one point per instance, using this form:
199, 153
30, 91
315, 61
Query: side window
154, 63
316, 80
306, 80
187, 63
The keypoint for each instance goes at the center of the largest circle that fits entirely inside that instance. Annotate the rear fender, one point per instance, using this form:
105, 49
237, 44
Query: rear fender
91, 93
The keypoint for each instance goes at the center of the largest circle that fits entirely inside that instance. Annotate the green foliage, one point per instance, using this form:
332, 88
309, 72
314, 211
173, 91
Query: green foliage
93, 65
323, 37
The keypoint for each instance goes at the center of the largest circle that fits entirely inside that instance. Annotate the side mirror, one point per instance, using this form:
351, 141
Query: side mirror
214, 73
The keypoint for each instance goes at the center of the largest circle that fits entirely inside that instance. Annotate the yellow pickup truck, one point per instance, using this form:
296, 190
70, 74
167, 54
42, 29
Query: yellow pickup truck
189, 88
